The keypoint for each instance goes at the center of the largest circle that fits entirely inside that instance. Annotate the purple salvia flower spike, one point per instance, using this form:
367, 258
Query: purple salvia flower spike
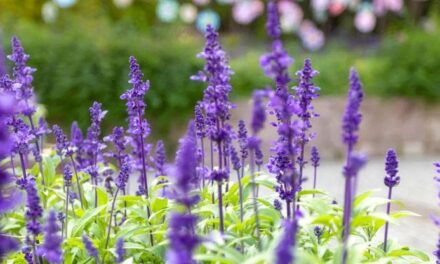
306, 91
285, 248
273, 22
354, 163
181, 235
350, 126
120, 251
390, 180
9, 196
138, 125
51, 248
92, 251
33, 213
315, 159
216, 105
160, 158
352, 117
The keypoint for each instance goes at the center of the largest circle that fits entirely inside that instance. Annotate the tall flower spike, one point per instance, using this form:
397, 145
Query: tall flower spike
181, 235
92, 251
9, 196
390, 180
185, 176
62, 143
119, 141
258, 111
352, 117
120, 251
273, 22
284, 250
216, 105
354, 163
160, 158
315, 159
51, 248
22, 76
33, 213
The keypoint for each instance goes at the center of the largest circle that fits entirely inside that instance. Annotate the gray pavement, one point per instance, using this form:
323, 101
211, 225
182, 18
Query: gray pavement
417, 190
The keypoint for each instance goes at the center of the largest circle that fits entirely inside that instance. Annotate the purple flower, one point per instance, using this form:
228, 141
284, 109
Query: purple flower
216, 74
243, 140
259, 111
62, 143
315, 158
160, 159
185, 176
51, 248
124, 173
182, 239
236, 164
119, 141
138, 125
92, 144
277, 204
67, 174
77, 140
284, 250
34, 211
352, 117
354, 164
391, 165
9, 244
273, 22
90, 248
199, 120
135, 100
120, 251
23, 78
306, 92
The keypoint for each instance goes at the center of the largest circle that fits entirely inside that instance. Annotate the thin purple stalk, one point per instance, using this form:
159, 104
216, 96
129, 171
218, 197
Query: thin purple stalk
202, 146
37, 146
23, 166
110, 218
144, 175
66, 210
254, 193
77, 181
315, 170
219, 185
385, 240
240, 193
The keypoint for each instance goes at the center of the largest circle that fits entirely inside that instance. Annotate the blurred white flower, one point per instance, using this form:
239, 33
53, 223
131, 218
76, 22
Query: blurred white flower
49, 12
244, 12
122, 3
188, 13
65, 3
311, 37
291, 16
365, 21
167, 10
320, 5
207, 17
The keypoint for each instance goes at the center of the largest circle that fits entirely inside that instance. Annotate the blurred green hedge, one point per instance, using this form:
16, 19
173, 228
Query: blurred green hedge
86, 62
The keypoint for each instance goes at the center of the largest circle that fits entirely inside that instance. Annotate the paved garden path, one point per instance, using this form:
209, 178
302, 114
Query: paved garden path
417, 191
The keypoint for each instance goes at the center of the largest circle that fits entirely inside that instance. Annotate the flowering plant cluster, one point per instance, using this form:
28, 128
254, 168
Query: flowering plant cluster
221, 201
